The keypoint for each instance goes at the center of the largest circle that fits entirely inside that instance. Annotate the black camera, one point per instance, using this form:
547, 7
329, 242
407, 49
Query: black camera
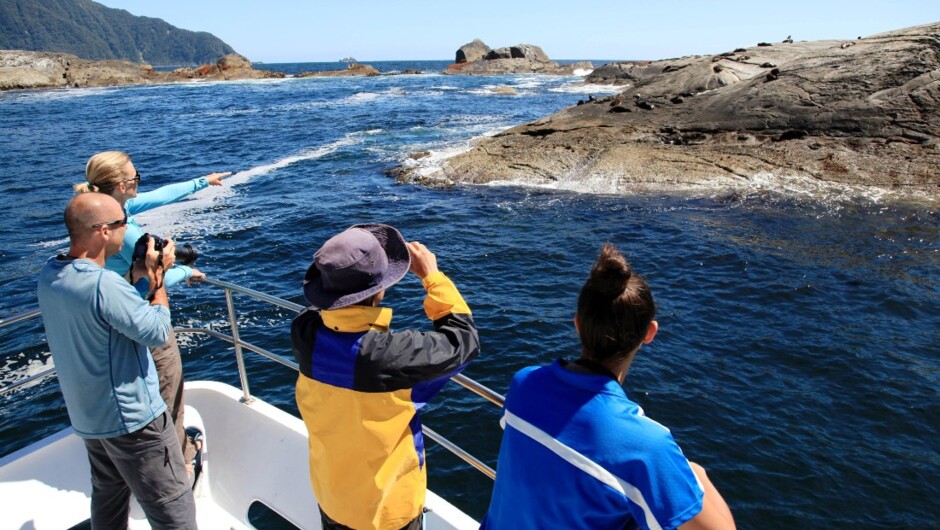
185, 255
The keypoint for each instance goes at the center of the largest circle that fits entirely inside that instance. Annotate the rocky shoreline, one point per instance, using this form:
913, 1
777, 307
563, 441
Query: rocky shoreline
861, 112
40, 70
23, 70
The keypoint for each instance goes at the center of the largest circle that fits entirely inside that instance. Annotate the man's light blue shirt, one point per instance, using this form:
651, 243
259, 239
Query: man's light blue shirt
99, 330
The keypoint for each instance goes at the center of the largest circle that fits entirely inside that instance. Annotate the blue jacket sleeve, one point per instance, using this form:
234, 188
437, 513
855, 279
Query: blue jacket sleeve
175, 275
164, 195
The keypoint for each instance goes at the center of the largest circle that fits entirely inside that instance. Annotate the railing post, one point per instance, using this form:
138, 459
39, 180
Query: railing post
239, 357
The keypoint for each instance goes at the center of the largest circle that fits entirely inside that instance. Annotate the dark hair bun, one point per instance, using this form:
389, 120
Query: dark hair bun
610, 274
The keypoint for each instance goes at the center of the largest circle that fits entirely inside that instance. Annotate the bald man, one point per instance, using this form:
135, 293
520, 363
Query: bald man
99, 330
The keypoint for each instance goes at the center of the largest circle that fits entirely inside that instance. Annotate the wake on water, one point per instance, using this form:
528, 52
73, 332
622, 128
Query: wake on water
167, 220
188, 216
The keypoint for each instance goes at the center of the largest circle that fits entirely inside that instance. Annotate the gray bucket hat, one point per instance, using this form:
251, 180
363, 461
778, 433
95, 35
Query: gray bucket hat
356, 264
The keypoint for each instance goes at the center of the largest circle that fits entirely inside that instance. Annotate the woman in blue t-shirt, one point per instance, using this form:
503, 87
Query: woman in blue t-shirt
577, 453
113, 173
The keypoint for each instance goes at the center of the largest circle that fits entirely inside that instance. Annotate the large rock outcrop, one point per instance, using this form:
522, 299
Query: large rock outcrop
27, 70
233, 61
472, 51
476, 58
863, 112
352, 70
227, 68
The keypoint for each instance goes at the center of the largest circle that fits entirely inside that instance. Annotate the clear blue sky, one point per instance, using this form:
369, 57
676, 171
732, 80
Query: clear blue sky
374, 30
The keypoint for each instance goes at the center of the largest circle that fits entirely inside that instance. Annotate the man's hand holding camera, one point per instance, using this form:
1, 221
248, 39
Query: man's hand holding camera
154, 267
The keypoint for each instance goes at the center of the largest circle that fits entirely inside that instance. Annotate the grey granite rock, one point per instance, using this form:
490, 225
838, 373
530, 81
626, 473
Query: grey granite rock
27, 69
472, 51
528, 51
32, 70
353, 70
518, 59
867, 114
233, 61
498, 53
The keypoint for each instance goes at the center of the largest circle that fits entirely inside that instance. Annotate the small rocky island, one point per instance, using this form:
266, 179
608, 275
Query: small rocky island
353, 69
476, 58
860, 112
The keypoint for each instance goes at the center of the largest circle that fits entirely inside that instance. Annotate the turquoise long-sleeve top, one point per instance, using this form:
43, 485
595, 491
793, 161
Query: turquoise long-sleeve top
121, 262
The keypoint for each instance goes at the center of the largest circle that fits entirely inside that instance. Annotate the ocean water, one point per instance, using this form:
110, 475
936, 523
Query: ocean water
798, 356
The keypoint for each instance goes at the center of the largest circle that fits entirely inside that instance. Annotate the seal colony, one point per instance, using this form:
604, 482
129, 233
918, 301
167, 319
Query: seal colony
863, 114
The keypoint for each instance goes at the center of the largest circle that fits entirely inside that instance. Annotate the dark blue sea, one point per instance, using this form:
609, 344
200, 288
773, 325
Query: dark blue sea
799, 354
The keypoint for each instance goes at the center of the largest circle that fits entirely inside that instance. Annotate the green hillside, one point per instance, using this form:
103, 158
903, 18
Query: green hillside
93, 31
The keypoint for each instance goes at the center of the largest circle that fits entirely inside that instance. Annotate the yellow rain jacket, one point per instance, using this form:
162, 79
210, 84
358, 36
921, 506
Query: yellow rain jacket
359, 392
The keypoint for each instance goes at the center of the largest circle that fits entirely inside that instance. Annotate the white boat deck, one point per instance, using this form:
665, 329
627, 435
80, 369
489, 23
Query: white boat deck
252, 453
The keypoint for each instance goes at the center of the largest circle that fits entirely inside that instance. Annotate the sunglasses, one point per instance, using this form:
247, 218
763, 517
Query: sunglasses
112, 224
135, 178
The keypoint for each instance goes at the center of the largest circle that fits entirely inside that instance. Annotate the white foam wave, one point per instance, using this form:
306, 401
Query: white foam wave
530, 83
577, 87
581, 72
56, 94
14, 370
176, 218
431, 164
760, 186
593, 185
169, 86
473, 119
496, 90
266, 81
810, 188
231, 112
364, 97
52, 244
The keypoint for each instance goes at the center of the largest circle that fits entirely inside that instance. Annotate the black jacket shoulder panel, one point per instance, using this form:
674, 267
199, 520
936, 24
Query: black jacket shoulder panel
303, 335
390, 361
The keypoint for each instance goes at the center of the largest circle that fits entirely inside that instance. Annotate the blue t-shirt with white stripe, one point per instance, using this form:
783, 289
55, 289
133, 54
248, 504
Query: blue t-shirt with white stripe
578, 454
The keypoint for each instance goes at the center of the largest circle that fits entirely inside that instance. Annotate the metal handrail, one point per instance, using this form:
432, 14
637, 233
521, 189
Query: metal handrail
229, 288
19, 317
9, 321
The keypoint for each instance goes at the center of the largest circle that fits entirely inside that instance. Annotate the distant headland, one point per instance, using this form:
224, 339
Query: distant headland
93, 31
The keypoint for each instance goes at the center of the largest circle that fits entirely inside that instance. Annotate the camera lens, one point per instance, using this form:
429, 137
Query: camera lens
186, 254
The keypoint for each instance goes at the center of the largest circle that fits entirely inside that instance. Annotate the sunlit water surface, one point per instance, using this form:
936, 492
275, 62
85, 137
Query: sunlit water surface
798, 353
